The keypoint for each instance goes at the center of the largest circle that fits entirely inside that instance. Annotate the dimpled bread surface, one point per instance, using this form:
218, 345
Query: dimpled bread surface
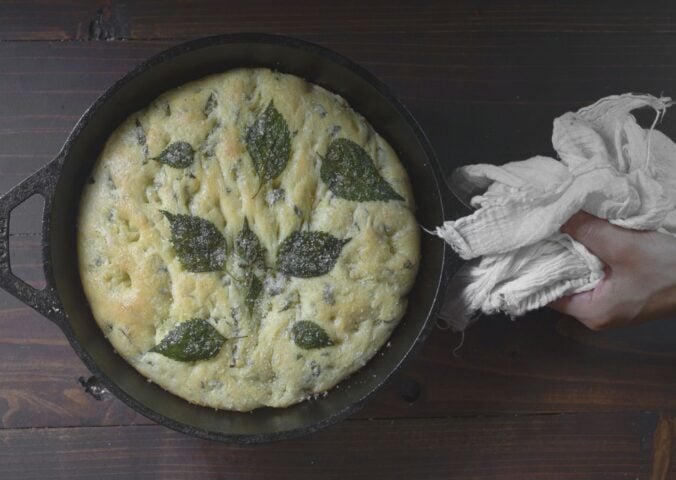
139, 291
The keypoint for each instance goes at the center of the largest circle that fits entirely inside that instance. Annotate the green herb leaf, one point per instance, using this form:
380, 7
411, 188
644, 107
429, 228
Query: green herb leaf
253, 292
349, 173
177, 155
247, 245
269, 143
198, 243
308, 335
309, 254
193, 340
211, 104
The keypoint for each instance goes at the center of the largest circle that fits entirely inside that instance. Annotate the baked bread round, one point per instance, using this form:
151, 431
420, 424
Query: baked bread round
247, 240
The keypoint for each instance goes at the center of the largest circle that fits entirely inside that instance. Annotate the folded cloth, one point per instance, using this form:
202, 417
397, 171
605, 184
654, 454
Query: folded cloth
609, 167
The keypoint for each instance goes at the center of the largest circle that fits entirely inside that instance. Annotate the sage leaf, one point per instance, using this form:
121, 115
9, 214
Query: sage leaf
193, 340
253, 292
198, 243
268, 141
308, 335
211, 104
177, 155
247, 245
309, 254
349, 173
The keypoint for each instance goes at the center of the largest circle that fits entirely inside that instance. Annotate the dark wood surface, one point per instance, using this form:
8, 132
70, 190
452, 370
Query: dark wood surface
539, 398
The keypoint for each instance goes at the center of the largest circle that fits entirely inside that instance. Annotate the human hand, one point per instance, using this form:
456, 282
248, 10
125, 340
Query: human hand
640, 275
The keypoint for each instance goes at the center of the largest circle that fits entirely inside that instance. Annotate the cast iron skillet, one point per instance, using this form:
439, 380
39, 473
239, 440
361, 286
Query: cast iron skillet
61, 181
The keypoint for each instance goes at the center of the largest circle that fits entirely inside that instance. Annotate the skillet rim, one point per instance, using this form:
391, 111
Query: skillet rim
186, 48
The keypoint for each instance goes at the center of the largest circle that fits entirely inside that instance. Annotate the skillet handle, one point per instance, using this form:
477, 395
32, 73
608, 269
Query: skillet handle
46, 300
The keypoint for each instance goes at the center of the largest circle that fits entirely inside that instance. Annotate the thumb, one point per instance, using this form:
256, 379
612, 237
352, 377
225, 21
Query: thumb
606, 241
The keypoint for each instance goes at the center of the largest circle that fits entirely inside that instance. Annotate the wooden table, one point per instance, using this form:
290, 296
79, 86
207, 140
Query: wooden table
538, 398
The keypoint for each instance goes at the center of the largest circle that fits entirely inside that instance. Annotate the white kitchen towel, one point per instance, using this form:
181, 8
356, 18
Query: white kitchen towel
609, 167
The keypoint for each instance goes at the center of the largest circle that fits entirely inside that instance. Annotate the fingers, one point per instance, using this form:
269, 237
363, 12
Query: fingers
591, 308
608, 305
608, 242
634, 271
581, 307
578, 305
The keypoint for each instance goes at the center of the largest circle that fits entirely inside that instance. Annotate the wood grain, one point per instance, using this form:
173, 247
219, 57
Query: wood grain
486, 101
662, 448
115, 20
554, 447
671, 471
540, 364
485, 80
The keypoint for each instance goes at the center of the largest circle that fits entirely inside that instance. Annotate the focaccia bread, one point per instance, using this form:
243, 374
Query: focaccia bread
247, 240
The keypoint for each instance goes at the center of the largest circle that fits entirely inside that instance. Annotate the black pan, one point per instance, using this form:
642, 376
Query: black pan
61, 181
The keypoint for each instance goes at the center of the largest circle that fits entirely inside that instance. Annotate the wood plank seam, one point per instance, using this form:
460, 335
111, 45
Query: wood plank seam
388, 420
